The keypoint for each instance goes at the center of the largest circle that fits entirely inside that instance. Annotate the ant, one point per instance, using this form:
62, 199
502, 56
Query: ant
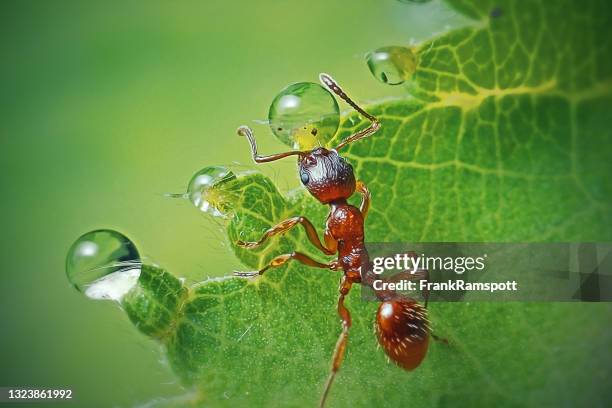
402, 328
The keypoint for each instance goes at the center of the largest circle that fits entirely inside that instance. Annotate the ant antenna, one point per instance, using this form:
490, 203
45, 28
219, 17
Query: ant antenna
329, 82
248, 133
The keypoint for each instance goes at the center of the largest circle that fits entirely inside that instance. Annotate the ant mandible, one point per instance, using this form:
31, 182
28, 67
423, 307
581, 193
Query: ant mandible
401, 324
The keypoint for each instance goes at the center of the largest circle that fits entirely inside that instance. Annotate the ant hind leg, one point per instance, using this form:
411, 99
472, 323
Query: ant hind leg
439, 339
345, 317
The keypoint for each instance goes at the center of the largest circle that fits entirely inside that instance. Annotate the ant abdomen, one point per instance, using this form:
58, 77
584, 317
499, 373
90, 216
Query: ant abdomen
402, 330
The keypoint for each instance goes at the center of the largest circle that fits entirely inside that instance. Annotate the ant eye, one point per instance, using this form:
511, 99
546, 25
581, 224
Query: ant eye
304, 177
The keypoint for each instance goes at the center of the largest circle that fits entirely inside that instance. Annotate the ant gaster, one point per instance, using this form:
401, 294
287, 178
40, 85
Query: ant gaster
401, 324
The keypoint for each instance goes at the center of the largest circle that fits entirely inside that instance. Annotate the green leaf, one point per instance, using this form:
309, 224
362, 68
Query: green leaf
506, 137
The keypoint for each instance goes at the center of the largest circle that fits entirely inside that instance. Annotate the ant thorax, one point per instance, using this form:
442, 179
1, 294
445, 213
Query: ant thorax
326, 175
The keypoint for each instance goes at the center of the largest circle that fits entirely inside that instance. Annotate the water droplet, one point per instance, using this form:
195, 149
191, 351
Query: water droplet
414, 1
392, 65
304, 115
205, 190
103, 264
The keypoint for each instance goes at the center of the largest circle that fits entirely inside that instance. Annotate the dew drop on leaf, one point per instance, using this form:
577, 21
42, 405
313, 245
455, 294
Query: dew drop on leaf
205, 190
103, 264
392, 65
304, 115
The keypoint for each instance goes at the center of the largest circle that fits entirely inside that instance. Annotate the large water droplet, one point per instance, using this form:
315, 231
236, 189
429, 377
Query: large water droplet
205, 190
392, 65
103, 264
304, 115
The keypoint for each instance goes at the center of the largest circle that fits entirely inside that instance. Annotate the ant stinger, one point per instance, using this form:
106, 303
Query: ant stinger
402, 328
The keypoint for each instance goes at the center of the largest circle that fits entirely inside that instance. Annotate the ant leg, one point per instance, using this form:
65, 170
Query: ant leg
330, 242
426, 291
362, 189
248, 133
438, 338
286, 225
374, 126
424, 275
345, 317
283, 259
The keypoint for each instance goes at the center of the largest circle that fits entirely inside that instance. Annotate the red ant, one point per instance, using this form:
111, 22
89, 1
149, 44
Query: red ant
401, 324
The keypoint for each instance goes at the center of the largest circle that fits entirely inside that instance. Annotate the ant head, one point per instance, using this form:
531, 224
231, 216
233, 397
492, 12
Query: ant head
326, 175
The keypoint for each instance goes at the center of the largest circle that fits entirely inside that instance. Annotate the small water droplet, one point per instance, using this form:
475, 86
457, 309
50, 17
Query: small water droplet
205, 189
103, 264
304, 115
392, 65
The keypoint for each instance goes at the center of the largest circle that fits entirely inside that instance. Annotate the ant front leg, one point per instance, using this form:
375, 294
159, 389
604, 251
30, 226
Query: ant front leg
345, 317
286, 225
362, 189
283, 259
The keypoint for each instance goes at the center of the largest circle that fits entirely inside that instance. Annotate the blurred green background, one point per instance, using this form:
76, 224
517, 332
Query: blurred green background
108, 105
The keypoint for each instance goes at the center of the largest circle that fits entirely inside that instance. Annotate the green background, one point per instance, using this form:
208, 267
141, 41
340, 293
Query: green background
105, 107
